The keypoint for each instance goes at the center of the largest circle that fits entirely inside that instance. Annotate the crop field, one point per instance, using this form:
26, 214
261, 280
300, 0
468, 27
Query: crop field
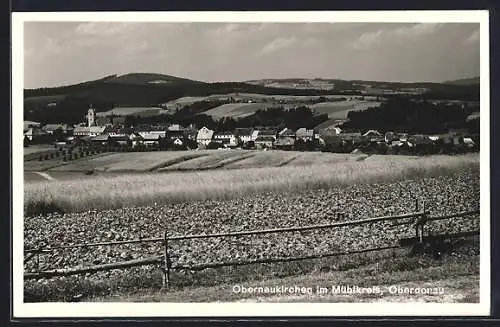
212, 160
42, 148
223, 184
235, 110
130, 161
125, 111
444, 194
340, 109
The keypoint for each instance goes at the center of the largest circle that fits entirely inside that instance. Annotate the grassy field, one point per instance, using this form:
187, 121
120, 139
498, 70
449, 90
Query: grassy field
130, 161
340, 109
137, 111
145, 189
456, 272
235, 110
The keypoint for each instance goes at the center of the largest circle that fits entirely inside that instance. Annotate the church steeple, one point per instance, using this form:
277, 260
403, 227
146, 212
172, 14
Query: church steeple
91, 116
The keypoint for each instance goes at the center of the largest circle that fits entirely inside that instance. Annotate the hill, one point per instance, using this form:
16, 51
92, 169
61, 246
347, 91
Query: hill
69, 104
464, 81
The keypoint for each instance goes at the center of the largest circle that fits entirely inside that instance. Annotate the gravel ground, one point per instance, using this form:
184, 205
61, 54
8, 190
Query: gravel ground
442, 195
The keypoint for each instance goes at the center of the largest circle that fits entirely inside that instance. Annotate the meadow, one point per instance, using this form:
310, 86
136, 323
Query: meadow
340, 109
127, 190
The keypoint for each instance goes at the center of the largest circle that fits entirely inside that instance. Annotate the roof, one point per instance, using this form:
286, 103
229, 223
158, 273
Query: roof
264, 139
372, 132
53, 127
91, 129
151, 136
285, 141
175, 127
286, 131
103, 137
304, 132
224, 134
350, 134
268, 132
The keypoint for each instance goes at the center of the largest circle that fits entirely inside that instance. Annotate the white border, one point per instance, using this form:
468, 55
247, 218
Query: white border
68, 310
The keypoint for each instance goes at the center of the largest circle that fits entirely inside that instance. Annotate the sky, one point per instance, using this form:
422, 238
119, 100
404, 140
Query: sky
65, 53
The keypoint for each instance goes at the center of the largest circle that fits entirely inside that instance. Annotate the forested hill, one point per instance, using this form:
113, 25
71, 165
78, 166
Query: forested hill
69, 104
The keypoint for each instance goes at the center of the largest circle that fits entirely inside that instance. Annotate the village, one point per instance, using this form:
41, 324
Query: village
112, 135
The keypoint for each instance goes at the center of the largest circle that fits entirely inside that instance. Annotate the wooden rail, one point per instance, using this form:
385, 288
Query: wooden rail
160, 259
165, 259
232, 234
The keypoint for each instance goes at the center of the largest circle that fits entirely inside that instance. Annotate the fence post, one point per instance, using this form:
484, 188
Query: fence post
166, 263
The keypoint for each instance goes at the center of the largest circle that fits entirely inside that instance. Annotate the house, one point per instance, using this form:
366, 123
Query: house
244, 134
51, 128
175, 131
264, 141
89, 131
204, 136
372, 134
330, 130
151, 139
178, 142
304, 134
161, 134
284, 143
119, 139
255, 134
28, 124
34, 133
191, 132
100, 139
268, 132
226, 138
351, 137
286, 132
136, 139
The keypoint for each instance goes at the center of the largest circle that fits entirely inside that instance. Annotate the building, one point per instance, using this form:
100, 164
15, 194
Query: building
268, 132
226, 138
244, 134
178, 142
91, 117
100, 139
204, 136
51, 128
28, 124
151, 139
264, 141
89, 131
34, 133
304, 134
162, 134
286, 132
175, 131
284, 143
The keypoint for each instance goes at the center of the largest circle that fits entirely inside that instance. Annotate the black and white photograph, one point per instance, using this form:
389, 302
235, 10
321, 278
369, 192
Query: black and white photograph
251, 163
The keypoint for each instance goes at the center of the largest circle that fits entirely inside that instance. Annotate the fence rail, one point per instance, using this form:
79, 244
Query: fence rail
420, 218
241, 233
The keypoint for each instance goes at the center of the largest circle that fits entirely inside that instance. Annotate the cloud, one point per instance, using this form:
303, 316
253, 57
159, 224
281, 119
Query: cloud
473, 38
102, 29
278, 44
368, 39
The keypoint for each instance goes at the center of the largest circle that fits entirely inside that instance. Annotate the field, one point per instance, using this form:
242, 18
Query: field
144, 189
235, 110
454, 188
127, 111
258, 190
340, 109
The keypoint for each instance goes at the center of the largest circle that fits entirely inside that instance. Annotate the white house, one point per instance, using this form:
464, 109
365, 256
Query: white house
178, 142
204, 136
244, 134
89, 131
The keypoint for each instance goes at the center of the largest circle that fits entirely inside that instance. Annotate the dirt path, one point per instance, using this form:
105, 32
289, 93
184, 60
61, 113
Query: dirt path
45, 175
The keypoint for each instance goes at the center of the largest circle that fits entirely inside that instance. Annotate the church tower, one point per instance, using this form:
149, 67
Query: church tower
91, 116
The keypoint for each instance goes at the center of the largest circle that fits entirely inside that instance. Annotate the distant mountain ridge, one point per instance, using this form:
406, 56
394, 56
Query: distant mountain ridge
69, 103
464, 81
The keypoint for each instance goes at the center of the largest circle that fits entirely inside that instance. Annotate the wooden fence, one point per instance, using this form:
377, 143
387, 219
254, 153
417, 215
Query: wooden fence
416, 220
